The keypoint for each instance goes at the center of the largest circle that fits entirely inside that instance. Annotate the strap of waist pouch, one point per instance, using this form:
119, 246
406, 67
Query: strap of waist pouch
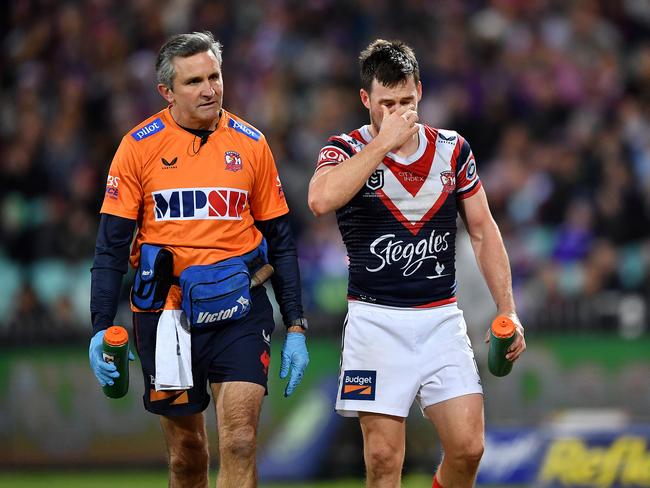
254, 260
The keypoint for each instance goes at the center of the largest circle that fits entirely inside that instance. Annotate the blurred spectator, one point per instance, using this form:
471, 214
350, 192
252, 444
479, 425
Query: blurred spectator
553, 96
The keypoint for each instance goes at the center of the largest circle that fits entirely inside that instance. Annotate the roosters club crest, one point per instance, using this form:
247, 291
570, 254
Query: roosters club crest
448, 181
233, 161
376, 180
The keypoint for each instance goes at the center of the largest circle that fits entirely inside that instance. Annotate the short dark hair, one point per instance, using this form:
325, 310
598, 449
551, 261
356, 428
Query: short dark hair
389, 62
183, 45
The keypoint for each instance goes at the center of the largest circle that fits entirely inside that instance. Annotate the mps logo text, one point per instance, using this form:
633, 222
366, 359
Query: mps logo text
199, 204
359, 385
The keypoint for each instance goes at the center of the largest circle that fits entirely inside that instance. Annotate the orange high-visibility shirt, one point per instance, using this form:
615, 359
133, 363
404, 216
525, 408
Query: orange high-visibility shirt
199, 201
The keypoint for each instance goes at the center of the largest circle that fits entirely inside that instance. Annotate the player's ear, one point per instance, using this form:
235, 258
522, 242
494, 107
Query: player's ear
166, 93
365, 98
419, 89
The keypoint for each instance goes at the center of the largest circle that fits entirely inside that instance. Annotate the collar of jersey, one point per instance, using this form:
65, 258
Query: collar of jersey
167, 115
422, 145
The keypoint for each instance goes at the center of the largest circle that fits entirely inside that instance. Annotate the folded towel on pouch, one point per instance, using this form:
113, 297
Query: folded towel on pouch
173, 347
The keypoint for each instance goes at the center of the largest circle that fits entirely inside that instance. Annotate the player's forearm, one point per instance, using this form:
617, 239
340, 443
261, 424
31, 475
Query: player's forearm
493, 262
330, 189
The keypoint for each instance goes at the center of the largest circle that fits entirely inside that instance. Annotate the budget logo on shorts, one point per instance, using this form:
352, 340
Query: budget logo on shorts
359, 385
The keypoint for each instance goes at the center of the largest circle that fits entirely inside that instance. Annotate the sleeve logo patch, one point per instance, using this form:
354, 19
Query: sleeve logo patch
244, 129
148, 130
470, 173
359, 385
331, 154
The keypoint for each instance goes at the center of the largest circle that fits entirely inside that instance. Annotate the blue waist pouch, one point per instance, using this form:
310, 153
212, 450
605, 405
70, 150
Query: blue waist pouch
153, 278
219, 293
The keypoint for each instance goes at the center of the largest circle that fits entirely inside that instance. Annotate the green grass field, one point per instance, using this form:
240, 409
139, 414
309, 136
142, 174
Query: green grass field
158, 479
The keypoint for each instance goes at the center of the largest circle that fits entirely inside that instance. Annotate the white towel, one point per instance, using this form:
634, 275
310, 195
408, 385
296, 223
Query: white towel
173, 352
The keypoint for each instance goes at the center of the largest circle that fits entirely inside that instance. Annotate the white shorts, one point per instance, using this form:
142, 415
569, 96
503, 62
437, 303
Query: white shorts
392, 356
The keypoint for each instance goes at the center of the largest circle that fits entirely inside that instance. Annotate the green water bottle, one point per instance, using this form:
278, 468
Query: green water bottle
502, 334
116, 350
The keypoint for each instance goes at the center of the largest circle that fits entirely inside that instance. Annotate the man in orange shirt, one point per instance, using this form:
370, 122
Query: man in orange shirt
201, 187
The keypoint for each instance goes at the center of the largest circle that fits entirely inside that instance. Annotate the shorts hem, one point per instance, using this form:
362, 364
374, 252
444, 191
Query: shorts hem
242, 380
349, 412
177, 411
450, 396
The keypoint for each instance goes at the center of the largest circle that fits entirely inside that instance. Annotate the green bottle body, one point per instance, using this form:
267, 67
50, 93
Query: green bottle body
497, 362
118, 354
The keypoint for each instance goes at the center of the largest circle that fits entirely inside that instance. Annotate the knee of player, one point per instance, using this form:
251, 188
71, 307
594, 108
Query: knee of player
469, 451
384, 457
238, 442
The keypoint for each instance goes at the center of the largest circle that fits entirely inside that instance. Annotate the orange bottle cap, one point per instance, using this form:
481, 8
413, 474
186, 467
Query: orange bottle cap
503, 327
116, 336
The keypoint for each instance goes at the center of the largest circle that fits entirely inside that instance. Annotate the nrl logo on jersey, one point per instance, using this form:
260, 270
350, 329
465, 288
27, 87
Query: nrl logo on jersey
233, 161
376, 180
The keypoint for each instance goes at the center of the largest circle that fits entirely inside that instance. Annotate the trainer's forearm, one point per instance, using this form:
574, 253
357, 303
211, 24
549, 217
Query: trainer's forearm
493, 262
105, 287
331, 188
110, 263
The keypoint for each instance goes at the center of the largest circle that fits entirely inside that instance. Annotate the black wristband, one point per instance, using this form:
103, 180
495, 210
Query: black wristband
301, 322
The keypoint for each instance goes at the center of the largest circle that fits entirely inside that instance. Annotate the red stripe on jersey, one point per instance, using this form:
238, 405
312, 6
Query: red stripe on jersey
356, 134
437, 303
413, 228
463, 196
417, 171
327, 163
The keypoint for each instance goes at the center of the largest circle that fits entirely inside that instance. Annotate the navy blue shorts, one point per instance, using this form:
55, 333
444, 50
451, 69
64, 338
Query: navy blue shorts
238, 351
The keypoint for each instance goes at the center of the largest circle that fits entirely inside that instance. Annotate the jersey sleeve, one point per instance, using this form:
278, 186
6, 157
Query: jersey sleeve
267, 198
123, 196
334, 152
467, 180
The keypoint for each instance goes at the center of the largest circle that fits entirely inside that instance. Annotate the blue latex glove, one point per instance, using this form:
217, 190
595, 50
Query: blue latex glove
294, 357
105, 372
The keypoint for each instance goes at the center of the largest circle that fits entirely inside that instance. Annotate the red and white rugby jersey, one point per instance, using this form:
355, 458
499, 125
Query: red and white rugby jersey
198, 201
400, 228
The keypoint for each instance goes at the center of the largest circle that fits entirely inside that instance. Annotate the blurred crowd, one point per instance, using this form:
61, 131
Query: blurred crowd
553, 96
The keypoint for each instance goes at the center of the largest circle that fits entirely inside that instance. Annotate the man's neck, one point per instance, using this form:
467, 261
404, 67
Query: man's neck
195, 124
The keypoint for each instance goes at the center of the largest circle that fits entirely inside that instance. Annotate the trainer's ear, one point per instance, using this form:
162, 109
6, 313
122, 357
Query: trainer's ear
166, 93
